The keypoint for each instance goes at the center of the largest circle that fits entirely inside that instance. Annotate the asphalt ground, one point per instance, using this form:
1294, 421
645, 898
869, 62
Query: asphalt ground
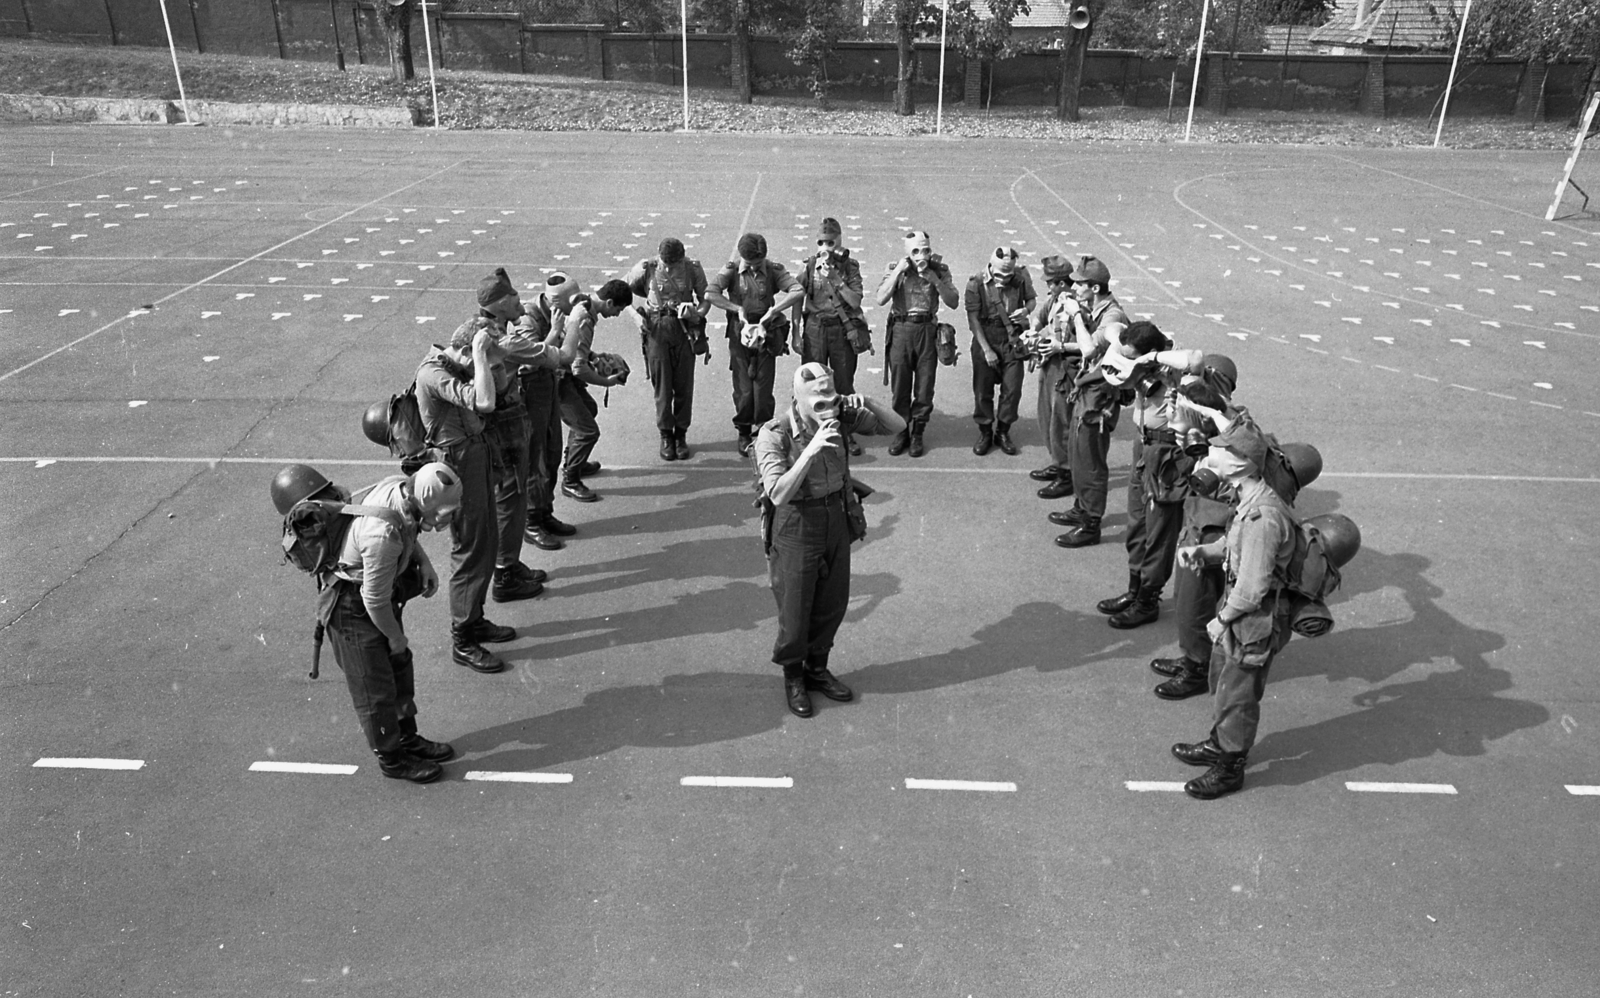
183, 311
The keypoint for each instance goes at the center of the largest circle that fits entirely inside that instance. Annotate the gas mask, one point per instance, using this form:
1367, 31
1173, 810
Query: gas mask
1219, 465
814, 394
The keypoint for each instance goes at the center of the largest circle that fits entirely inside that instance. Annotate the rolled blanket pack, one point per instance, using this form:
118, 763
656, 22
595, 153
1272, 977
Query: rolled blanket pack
1311, 618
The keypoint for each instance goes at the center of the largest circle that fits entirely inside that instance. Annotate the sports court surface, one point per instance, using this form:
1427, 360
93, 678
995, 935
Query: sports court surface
183, 311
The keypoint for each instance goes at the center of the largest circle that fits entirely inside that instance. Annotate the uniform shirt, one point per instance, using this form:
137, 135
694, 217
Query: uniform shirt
1152, 402
1260, 543
915, 293
578, 338
781, 441
445, 397
754, 287
682, 283
822, 293
374, 553
994, 297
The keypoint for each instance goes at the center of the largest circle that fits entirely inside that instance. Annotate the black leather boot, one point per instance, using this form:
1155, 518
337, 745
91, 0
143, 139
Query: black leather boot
1169, 667
984, 442
1204, 753
901, 441
794, 691
917, 449
1121, 601
820, 680
1226, 776
466, 651
1085, 535
1191, 680
518, 582
680, 447
422, 748
669, 452
1145, 609
1002, 440
404, 766
486, 631
1060, 488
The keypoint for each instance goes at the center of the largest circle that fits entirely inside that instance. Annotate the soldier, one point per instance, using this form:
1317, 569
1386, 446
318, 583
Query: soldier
1098, 321
834, 324
673, 321
755, 292
1055, 344
380, 567
1159, 476
997, 302
1253, 619
578, 407
913, 287
805, 480
543, 319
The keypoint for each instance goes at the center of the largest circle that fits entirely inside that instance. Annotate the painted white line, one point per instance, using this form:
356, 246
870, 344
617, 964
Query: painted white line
769, 782
915, 784
1400, 788
48, 763
1145, 786
492, 776
1579, 790
321, 768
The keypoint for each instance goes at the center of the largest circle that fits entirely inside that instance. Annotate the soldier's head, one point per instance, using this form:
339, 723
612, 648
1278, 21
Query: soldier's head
613, 296
561, 291
1057, 272
1140, 338
498, 298
1238, 453
436, 492
828, 233
918, 247
752, 248
670, 251
1004, 261
1090, 280
814, 395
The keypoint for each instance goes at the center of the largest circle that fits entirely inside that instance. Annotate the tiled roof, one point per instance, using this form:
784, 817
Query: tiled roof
1412, 25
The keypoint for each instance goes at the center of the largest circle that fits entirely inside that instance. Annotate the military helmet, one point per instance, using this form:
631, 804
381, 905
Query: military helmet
609, 365
296, 483
1220, 367
375, 423
1341, 538
1305, 461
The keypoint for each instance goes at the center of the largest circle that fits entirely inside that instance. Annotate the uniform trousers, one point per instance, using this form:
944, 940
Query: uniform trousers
1005, 375
474, 532
540, 393
1091, 443
382, 686
1239, 664
809, 568
826, 343
913, 367
753, 373
1054, 410
511, 488
1196, 593
669, 360
578, 411
1153, 527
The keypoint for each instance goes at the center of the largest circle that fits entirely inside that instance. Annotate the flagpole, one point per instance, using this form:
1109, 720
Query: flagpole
427, 42
1194, 88
1460, 38
944, 23
173, 48
683, 11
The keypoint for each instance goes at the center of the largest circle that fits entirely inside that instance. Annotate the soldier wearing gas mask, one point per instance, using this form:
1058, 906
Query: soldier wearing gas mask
834, 326
756, 292
913, 288
997, 301
811, 515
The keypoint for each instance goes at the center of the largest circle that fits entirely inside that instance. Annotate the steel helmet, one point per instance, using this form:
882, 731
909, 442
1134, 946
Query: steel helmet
1341, 538
296, 483
375, 423
1220, 368
1305, 461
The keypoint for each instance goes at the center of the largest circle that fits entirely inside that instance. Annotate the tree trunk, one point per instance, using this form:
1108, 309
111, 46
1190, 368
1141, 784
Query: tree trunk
904, 102
741, 50
396, 21
1072, 55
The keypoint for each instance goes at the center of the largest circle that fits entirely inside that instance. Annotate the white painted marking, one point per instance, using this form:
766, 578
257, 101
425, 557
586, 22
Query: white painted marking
768, 782
58, 763
1400, 788
916, 784
1145, 786
1580, 790
136, 403
493, 776
320, 768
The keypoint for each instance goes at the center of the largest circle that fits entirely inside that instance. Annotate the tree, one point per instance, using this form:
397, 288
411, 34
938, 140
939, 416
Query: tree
816, 38
1072, 56
908, 16
985, 39
396, 20
741, 49
1541, 31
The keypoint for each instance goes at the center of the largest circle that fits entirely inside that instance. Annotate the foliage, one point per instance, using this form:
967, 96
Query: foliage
985, 38
1169, 27
1543, 29
811, 44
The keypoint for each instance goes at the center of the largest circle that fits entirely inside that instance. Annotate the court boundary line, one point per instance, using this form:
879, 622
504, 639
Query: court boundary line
231, 267
58, 183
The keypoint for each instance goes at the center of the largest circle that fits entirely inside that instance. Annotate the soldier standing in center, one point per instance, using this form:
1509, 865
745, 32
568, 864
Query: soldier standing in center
1056, 346
543, 318
997, 301
832, 304
755, 292
915, 285
674, 325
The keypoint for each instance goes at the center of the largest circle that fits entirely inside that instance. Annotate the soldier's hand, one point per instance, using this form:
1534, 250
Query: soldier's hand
483, 339
827, 436
1070, 306
1216, 629
399, 646
430, 581
1189, 558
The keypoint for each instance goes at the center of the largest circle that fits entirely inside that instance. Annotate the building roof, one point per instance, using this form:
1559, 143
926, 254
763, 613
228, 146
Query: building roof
1411, 25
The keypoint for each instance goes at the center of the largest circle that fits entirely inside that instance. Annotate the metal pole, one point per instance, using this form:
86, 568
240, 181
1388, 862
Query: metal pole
683, 12
338, 46
944, 23
427, 43
1199, 47
173, 48
1460, 38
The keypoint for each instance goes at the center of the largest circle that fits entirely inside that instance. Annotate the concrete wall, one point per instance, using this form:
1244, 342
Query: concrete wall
1406, 86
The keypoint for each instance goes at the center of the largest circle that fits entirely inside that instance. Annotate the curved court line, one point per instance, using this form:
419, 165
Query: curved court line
1296, 265
58, 183
234, 266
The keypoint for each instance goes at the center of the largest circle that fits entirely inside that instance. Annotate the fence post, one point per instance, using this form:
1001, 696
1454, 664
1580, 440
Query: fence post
1217, 83
972, 84
194, 19
1373, 85
277, 26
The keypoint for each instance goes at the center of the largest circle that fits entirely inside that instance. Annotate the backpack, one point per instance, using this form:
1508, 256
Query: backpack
1311, 578
408, 435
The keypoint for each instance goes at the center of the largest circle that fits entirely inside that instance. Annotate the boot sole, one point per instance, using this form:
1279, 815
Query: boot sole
1181, 696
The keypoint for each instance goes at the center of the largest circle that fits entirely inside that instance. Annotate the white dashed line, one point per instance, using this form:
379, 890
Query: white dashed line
1579, 790
1400, 788
768, 782
494, 776
49, 763
318, 768
1145, 786
915, 784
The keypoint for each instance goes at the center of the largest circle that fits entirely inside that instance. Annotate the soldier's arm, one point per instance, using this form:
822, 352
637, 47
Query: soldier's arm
717, 292
698, 274
850, 287
788, 292
946, 287
380, 566
886, 286
1264, 532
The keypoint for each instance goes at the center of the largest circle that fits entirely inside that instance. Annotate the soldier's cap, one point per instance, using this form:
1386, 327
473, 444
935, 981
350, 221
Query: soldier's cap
1245, 439
670, 250
436, 485
1090, 270
828, 228
1056, 268
495, 287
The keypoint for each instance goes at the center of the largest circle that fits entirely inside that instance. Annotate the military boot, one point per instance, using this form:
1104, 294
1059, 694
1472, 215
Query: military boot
467, 652
1002, 440
1204, 753
1087, 534
1121, 601
794, 691
425, 749
669, 450
820, 680
901, 441
518, 582
985, 440
404, 766
1192, 679
1145, 609
680, 447
916, 448
1226, 776
1169, 667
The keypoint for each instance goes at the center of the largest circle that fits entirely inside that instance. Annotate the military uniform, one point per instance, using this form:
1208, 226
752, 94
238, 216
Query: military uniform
828, 318
669, 342
1095, 407
989, 301
1053, 407
752, 289
913, 347
541, 402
